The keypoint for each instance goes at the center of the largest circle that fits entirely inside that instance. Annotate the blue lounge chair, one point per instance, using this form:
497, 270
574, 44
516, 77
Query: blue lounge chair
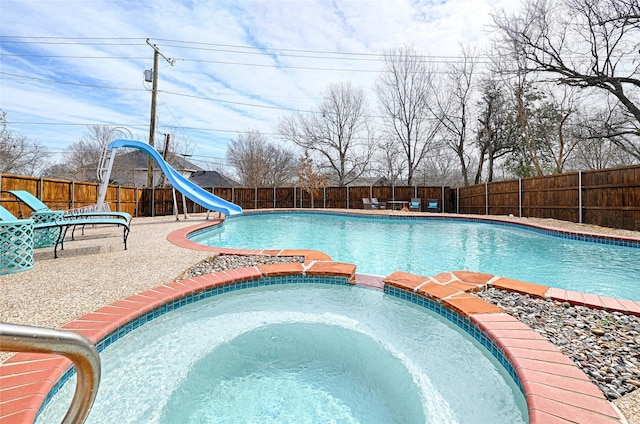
415, 204
60, 227
39, 207
47, 236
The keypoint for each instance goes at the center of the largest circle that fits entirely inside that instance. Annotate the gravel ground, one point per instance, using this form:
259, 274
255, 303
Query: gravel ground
92, 273
94, 270
605, 345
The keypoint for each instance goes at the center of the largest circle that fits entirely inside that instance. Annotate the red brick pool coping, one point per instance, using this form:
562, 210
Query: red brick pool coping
555, 389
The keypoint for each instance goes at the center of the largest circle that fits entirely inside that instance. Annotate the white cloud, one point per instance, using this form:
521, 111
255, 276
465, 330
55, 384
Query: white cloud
209, 40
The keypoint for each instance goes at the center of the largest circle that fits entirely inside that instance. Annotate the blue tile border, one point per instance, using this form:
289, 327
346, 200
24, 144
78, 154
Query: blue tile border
204, 230
462, 322
191, 298
453, 317
591, 238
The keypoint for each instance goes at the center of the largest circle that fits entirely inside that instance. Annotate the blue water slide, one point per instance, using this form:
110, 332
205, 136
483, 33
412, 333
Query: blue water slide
193, 191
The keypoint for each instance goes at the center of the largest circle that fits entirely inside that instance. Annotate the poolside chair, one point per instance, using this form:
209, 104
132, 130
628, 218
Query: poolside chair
47, 236
433, 205
366, 203
415, 204
16, 243
44, 212
378, 205
61, 226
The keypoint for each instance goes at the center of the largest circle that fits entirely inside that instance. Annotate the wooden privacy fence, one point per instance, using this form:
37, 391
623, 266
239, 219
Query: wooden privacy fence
64, 194
607, 197
610, 197
160, 200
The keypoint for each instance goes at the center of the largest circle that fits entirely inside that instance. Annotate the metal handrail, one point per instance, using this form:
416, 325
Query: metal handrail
83, 354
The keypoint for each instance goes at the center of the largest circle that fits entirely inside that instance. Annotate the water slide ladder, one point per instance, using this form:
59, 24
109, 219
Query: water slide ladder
104, 172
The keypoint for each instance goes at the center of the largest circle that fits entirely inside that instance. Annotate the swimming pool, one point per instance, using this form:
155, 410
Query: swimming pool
381, 245
300, 353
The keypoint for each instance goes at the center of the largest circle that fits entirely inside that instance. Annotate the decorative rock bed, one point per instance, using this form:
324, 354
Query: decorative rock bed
606, 345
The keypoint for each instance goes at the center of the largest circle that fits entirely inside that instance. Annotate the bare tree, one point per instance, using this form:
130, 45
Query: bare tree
597, 151
260, 163
308, 179
497, 130
587, 44
81, 158
512, 65
389, 160
439, 168
19, 154
554, 120
453, 108
405, 92
339, 133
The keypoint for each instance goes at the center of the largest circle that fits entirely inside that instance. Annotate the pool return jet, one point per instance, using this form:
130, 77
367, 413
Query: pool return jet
197, 194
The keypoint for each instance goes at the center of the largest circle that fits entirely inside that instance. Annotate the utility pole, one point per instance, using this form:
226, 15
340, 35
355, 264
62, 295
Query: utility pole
165, 154
154, 95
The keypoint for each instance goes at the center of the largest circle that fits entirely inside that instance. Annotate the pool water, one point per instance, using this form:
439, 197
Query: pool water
431, 246
299, 353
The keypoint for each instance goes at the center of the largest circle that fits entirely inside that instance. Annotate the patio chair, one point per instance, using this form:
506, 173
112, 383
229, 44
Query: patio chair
44, 212
433, 205
16, 243
366, 203
415, 204
61, 226
47, 236
378, 205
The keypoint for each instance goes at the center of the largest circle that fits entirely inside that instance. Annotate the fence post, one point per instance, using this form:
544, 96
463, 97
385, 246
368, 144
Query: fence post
442, 208
324, 197
486, 198
255, 198
458, 200
232, 195
520, 197
274, 197
580, 197
40, 189
73, 194
295, 192
348, 198
136, 194
153, 201
118, 201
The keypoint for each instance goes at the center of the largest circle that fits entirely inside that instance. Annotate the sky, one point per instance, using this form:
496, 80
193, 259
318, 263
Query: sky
228, 66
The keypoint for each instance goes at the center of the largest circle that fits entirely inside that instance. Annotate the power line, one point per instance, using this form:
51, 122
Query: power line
143, 125
213, 46
195, 96
80, 84
53, 56
238, 49
160, 91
